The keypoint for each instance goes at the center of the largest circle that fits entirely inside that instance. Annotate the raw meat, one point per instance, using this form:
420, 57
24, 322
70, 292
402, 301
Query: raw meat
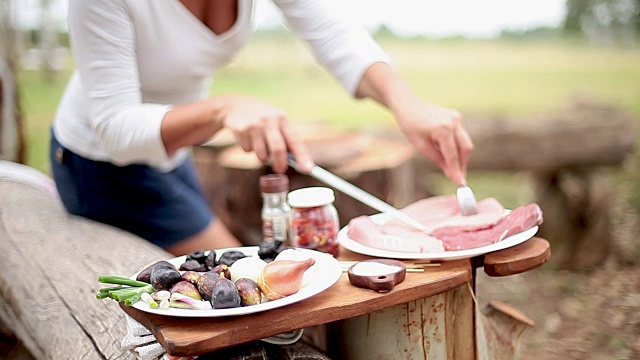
363, 230
440, 211
450, 230
472, 236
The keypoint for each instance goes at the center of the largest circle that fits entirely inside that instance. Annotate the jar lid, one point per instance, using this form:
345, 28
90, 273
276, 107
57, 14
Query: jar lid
311, 197
274, 183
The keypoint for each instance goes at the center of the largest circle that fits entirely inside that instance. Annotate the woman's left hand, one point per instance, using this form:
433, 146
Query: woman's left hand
438, 133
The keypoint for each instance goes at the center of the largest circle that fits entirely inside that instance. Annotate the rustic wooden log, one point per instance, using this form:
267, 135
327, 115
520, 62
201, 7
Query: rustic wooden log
49, 267
438, 327
499, 329
381, 167
577, 217
586, 134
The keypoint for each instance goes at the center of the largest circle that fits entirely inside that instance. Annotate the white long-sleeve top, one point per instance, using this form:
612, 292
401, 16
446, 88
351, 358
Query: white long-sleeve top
136, 58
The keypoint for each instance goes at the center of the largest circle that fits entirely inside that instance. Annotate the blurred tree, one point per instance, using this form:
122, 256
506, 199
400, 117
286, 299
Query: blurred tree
611, 22
48, 41
12, 144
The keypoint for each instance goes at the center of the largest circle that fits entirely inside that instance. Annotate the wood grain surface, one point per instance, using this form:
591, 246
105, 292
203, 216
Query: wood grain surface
192, 336
49, 267
518, 259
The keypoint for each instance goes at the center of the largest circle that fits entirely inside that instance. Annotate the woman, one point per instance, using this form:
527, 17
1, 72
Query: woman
139, 100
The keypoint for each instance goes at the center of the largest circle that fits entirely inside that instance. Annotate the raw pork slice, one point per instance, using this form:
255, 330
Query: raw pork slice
366, 232
441, 211
450, 230
472, 236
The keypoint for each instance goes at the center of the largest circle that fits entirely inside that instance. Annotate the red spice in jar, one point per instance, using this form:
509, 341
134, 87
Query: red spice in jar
314, 219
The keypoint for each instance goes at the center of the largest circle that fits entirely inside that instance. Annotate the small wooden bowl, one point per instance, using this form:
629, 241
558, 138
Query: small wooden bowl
382, 282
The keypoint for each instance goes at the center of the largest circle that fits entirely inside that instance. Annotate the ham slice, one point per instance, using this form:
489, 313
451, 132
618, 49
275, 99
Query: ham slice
450, 230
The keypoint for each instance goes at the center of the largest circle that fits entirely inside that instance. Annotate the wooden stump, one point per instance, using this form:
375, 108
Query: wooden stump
438, 327
381, 167
577, 217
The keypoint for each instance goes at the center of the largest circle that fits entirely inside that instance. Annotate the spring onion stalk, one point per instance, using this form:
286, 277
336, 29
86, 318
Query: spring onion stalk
146, 297
129, 294
120, 280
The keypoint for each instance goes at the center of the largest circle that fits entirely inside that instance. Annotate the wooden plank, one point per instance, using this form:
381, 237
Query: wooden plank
194, 336
49, 266
518, 259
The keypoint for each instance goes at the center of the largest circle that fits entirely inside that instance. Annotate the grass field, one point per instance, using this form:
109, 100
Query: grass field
479, 78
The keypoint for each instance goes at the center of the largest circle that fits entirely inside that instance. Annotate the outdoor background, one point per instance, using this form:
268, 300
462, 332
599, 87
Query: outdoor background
487, 59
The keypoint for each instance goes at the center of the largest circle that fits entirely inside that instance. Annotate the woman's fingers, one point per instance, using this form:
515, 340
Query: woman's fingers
465, 147
276, 144
449, 150
296, 146
258, 143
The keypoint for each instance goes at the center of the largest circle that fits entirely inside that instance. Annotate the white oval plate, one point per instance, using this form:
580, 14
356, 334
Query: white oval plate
360, 248
328, 271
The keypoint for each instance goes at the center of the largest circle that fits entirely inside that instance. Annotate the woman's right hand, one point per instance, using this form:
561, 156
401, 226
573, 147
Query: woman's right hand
266, 130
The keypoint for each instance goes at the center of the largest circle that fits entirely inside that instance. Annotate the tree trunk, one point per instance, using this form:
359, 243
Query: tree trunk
12, 140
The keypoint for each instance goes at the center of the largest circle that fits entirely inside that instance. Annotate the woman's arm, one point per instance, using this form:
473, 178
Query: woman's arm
435, 131
257, 125
362, 67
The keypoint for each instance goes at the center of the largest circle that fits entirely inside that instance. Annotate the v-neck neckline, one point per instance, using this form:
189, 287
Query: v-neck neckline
203, 28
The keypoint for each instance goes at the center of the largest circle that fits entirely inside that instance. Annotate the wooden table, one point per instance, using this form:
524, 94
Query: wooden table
431, 314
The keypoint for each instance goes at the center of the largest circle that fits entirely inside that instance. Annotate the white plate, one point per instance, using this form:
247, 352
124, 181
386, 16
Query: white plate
360, 248
328, 271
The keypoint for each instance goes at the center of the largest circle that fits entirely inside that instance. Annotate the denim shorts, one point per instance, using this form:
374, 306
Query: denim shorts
161, 207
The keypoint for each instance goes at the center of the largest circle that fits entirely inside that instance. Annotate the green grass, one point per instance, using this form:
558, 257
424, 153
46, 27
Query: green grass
477, 77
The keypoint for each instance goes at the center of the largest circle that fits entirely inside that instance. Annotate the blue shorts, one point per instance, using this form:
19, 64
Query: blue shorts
161, 207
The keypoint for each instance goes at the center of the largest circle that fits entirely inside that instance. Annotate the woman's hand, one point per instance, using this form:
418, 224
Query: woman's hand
438, 133
435, 131
266, 130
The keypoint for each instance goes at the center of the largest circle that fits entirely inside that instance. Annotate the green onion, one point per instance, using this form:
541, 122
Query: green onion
120, 280
129, 294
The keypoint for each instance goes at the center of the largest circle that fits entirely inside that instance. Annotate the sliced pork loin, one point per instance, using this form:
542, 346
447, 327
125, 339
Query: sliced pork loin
363, 230
450, 230
441, 211
472, 236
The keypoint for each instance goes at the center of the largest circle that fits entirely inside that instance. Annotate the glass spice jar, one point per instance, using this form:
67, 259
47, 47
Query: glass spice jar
275, 213
314, 219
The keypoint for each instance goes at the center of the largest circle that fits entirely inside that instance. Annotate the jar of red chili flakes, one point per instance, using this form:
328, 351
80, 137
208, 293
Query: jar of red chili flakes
314, 219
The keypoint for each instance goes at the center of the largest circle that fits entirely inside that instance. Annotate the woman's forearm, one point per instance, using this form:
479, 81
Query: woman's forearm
436, 132
382, 83
192, 124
